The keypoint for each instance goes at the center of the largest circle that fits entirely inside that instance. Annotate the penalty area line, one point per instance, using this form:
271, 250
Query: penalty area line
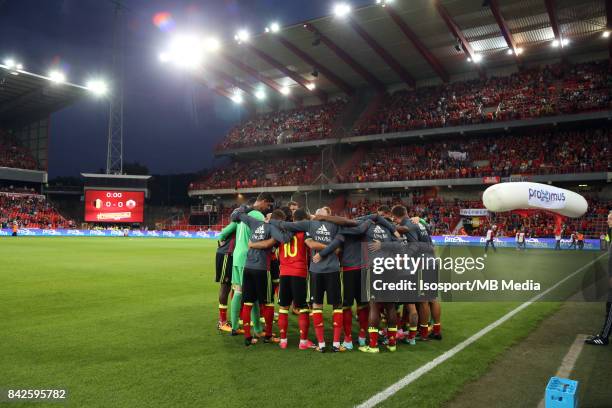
424, 369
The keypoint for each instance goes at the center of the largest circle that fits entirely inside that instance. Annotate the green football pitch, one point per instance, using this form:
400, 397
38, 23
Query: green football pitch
123, 322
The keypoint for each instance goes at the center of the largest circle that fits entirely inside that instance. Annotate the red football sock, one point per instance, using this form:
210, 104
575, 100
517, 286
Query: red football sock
373, 331
304, 324
424, 330
246, 319
392, 335
317, 320
268, 314
338, 327
362, 315
347, 321
283, 322
412, 332
275, 286
437, 328
222, 313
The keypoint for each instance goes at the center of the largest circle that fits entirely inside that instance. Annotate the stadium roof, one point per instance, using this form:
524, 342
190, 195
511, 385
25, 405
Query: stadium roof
407, 42
26, 97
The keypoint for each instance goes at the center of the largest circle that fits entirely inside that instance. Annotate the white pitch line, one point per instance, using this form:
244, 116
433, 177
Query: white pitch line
419, 372
569, 361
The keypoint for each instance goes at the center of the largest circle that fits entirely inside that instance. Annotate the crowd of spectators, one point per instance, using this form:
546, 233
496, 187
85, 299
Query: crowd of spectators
444, 217
30, 211
262, 173
534, 152
15, 156
543, 91
297, 125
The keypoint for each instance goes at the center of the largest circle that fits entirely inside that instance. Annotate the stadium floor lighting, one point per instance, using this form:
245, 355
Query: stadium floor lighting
342, 9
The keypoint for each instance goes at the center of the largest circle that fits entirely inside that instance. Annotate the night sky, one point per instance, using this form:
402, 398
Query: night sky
171, 124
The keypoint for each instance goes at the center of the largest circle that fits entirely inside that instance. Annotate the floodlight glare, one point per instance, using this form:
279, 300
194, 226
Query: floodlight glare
164, 57
97, 87
237, 98
469, 59
242, 35
555, 43
564, 42
275, 27
519, 51
57, 77
285, 90
10, 63
342, 9
260, 94
477, 58
606, 34
212, 44
186, 51
311, 86
509, 52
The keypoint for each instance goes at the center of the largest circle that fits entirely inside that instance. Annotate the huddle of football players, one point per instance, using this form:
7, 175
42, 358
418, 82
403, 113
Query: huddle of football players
305, 261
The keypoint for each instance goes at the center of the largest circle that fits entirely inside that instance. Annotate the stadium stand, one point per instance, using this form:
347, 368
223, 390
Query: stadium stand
298, 125
262, 173
533, 152
535, 92
444, 216
13, 155
30, 211
536, 151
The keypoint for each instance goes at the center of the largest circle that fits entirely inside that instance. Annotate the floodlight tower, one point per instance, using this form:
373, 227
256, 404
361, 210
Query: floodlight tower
114, 152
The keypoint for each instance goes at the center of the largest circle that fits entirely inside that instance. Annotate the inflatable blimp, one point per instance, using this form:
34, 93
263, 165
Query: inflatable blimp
534, 196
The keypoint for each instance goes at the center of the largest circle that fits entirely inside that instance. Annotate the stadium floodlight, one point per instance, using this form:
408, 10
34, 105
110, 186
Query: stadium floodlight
383, 3
186, 51
311, 86
605, 34
519, 50
164, 57
509, 52
10, 63
469, 59
242, 35
260, 94
477, 58
342, 9
237, 96
274, 28
555, 43
97, 87
212, 44
285, 90
564, 42
57, 76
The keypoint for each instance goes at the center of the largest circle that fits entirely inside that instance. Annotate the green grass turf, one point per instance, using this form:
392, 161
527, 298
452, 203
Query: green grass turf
131, 323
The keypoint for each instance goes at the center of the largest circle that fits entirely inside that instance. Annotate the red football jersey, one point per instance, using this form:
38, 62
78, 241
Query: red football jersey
293, 256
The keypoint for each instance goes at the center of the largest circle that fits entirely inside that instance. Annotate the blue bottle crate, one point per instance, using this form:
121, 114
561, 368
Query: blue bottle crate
561, 393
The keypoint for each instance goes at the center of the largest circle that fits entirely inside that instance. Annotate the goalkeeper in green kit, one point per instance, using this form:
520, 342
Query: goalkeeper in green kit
263, 202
